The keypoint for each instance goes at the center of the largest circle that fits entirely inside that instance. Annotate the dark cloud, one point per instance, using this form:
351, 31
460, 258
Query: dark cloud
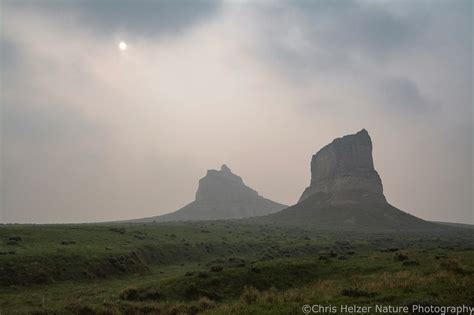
354, 26
360, 41
139, 17
332, 35
401, 94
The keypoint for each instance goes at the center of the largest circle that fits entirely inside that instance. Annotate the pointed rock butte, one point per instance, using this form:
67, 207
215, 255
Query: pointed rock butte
345, 167
221, 195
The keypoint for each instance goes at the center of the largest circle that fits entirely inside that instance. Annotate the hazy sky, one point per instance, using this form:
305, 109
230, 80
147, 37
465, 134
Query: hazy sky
93, 133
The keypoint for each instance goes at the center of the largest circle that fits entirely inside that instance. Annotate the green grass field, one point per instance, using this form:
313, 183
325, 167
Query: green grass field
225, 267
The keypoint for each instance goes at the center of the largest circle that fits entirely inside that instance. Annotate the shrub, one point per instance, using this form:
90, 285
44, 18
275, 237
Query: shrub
453, 266
65, 242
139, 294
270, 296
178, 309
354, 292
191, 292
15, 238
205, 303
400, 257
249, 295
389, 250
117, 230
256, 269
217, 268
81, 309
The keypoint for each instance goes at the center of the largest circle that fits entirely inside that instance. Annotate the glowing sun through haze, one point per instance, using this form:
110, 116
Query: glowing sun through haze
122, 46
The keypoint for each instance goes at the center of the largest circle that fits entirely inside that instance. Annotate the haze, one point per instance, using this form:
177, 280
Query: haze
91, 132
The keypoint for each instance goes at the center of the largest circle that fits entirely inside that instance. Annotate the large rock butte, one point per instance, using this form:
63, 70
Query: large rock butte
346, 192
345, 168
223, 185
221, 195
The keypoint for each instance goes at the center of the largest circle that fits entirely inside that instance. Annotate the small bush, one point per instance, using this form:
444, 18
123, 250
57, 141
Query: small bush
117, 230
389, 250
256, 269
217, 268
192, 292
139, 294
178, 309
453, 266
354, 292
249, 295
15, 238
205, 303
270, 296
410, 263
65, 242
400, 257
81, 309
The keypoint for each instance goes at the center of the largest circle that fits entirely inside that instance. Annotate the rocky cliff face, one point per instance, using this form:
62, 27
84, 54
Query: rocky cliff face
222, 195
346, 193
345, 169
223, 185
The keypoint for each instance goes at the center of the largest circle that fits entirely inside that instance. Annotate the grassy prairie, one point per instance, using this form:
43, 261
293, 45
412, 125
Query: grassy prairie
225, 267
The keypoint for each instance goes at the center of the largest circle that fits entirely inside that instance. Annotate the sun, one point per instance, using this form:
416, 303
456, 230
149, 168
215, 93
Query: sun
122, 46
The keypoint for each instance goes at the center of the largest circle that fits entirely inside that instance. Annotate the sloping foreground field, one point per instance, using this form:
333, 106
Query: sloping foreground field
226, 267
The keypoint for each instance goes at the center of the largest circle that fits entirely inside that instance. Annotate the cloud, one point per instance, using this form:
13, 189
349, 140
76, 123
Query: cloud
402, 94
142, 17
92, 133
39, 126
378, 47
333, 35
354, 27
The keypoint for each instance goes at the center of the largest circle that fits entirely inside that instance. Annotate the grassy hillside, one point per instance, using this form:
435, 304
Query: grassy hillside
356, 211
225, 267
